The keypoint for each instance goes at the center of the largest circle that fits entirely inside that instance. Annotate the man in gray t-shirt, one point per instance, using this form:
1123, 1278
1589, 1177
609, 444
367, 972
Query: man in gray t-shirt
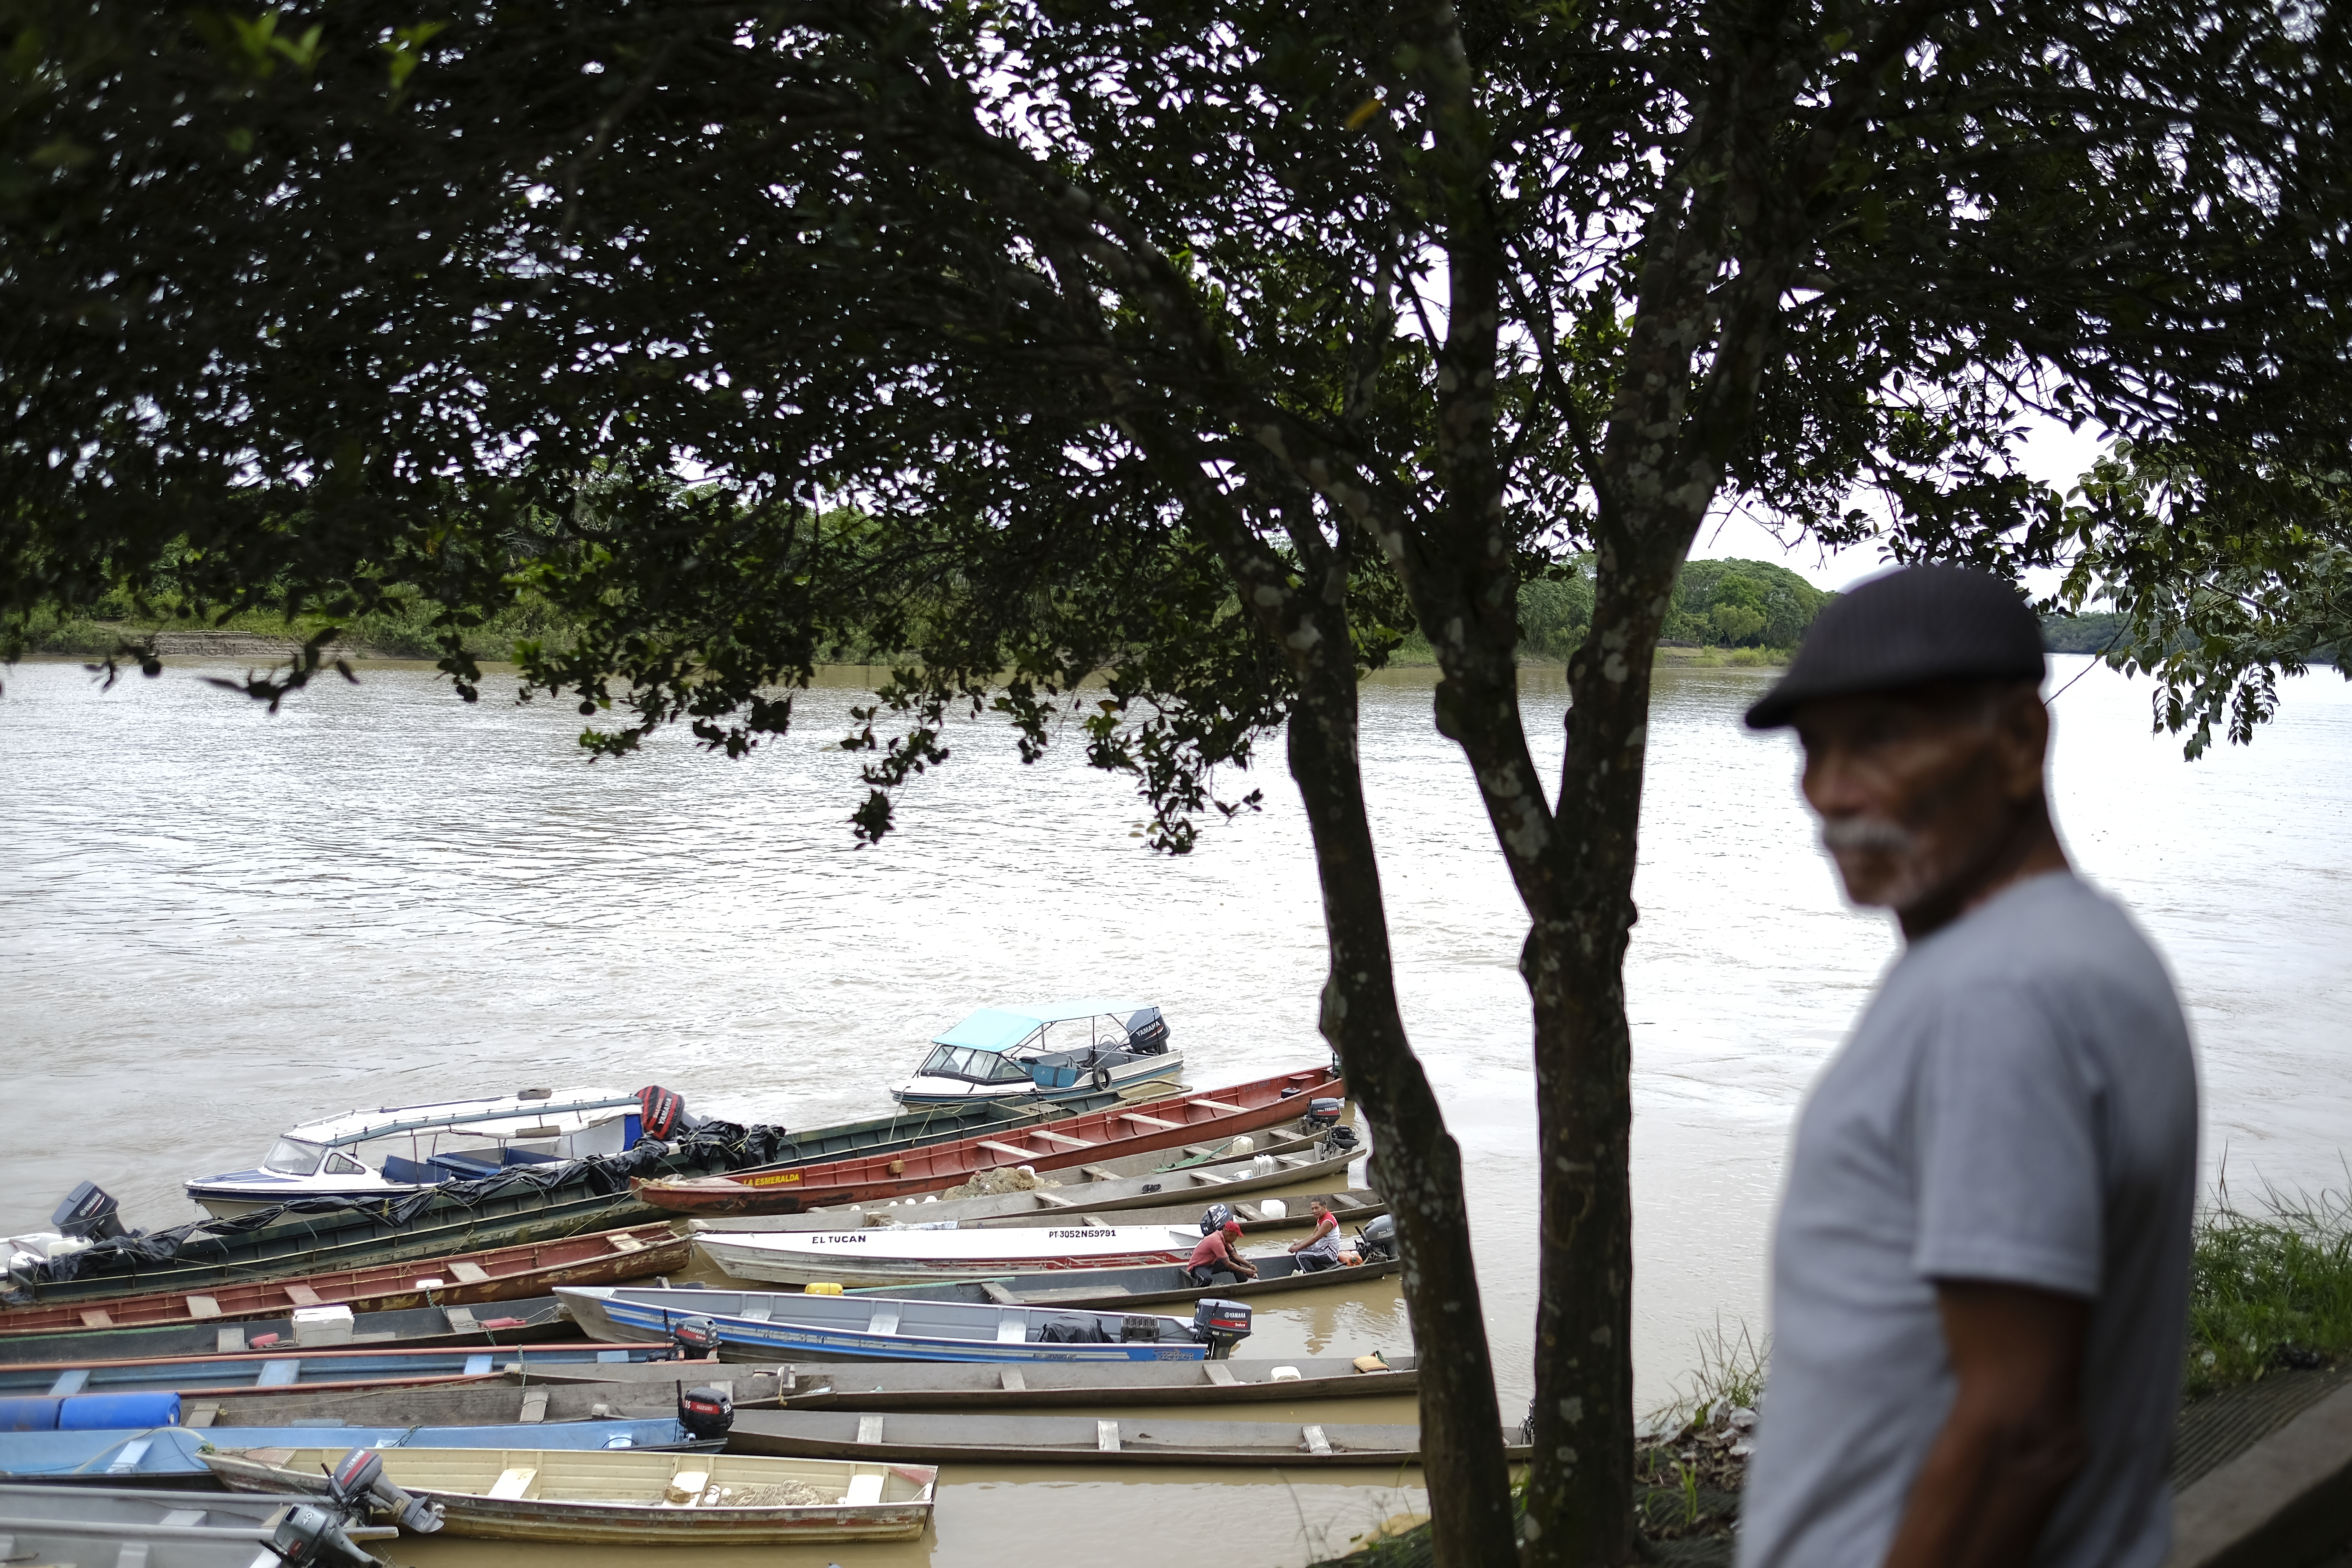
1980, 1273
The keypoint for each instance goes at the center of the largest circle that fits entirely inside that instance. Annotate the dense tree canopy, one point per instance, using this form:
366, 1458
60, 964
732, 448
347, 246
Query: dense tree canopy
1209, 343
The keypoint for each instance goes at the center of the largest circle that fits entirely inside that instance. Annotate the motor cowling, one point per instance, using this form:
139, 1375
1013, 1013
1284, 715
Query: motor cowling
1214, 1217
693, 1339
1379, 1238
662, 1113
1322, 1112
358, 1482
1220, 1324
306, 1536
87, 1215
706, 1413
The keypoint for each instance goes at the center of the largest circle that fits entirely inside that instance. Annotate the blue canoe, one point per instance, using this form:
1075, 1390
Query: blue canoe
781, 1326
170, 1451
300, 1369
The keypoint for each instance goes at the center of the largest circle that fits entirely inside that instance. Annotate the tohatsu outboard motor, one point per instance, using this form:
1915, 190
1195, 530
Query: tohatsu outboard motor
358, 1481
1379, 1238
706, 1413
1220, 1325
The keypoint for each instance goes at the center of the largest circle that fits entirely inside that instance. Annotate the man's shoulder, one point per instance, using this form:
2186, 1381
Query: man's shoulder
2055, 926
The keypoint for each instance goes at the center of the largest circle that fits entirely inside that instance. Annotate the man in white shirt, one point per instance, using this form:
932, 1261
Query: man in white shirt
1981, 1270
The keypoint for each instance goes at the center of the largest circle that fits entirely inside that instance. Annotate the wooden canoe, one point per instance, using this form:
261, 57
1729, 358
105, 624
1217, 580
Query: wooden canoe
462, 1220
1045, 1146
624, 1497
992, 1439
264, 1370
1350, 1207
1101, 1187
1114, 1288
503, 1274
475, 1402
872, 1386
904, 1255
526, 1321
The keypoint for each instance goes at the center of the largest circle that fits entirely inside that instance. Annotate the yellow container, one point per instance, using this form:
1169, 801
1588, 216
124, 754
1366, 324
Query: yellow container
823, 1287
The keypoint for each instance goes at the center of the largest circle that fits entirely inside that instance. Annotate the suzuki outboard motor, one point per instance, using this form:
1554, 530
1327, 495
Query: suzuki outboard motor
1379, 1238
358, 1481
87, 1215
706, 1413
1214, 1216
1220, 1325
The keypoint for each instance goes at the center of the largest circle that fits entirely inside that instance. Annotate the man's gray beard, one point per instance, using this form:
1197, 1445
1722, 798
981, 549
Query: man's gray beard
1863, 833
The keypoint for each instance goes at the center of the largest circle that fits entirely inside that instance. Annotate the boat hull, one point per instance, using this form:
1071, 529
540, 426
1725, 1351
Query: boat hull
939, 1440
314, 1370
1116, 1289
901, 1256
470, 1513
1072, 1142
823, 1327
499, 1275
1165, 1069
531, 1321
177, 1450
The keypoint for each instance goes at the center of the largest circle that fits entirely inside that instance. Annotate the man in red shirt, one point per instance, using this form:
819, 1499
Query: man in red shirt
1217, 1254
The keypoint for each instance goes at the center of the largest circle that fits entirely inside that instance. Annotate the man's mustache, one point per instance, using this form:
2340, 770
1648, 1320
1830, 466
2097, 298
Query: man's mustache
1865, 833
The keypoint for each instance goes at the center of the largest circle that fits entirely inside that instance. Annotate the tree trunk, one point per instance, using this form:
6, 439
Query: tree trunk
1418, 1164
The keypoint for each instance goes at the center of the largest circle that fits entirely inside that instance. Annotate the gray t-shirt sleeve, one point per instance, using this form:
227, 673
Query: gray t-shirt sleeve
2008, 1148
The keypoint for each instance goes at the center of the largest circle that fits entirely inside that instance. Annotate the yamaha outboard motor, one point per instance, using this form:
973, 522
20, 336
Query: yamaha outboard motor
691, 1338
1149, 1039
308, 1536
1214, 1216
1322, 1112
706, 1413
1220, 1325
87, 1215
662, 1113
1380, 1239
358, 1481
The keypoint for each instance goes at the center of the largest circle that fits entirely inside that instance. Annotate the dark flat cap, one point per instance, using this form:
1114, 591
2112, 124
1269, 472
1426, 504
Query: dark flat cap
1908, 627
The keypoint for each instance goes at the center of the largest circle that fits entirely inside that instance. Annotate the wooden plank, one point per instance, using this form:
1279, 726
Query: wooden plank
1051, 1136
1206, 1180
1009, 1380
462, 1319
999, 1294
1154, 1122
1106, 1437
470, 1273
1050, 1200
534, 1407
1220, 1373
993, 1147
1315, 1442
201, 1416
870, 1429
70, 1381
513, 1483
1218, 1106
202, 1306
99, 1318
301, 1295
1100, 1173
1248, 1211
279, 1375
622, 1241
229, 1341
864, 1490
1094, 1221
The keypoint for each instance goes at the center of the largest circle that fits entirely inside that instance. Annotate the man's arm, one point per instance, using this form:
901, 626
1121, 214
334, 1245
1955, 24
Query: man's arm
2014, 1438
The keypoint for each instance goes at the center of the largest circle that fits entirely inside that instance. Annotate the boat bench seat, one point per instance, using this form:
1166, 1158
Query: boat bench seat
411, 1172
467, 1167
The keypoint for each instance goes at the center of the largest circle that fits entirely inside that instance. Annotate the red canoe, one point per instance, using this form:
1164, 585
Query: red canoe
1073, 1141
502, 1274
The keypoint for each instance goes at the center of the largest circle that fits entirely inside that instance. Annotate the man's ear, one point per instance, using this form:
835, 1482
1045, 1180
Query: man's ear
2022, 726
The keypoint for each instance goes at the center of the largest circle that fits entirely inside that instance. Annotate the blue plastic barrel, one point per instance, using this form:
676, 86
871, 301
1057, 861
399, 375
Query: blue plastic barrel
32, 1413
118, 1412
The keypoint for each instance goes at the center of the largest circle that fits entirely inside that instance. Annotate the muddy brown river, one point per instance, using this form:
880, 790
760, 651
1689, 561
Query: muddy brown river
220, 923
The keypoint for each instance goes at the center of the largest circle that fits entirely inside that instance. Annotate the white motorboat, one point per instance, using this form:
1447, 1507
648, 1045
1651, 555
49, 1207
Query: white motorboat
898, 1256
1054, 1051
398, 1150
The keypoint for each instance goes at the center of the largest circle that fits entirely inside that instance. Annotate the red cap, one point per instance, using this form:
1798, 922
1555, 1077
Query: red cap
1233, 1227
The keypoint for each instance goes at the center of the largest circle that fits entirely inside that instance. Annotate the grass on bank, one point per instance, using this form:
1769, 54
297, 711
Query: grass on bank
404, 632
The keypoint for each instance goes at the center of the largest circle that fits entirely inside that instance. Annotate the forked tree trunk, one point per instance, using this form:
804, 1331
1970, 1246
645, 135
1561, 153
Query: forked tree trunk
1418, 1163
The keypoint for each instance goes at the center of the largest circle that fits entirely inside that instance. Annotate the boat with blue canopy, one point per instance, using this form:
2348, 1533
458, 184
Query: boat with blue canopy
1045, 1052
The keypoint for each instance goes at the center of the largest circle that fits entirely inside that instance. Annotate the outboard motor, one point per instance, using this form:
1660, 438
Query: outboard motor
692, 1338
1336, 1142
1151, 1040
1214, 1216
1322, 1112
706, 1413
307, 1536
1220, 1325
358, 1481
661, 1112
87, 1215
1379, 1238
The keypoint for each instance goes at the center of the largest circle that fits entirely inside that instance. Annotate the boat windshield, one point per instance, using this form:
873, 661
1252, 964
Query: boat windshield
292, 1157
974, 1067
